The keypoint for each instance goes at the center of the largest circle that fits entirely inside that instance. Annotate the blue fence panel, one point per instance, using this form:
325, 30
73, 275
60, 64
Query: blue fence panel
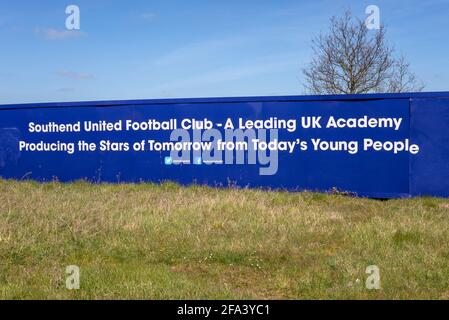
430, 129
381, 173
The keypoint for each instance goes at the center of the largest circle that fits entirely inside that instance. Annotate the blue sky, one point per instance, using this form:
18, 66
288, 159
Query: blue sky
165, 49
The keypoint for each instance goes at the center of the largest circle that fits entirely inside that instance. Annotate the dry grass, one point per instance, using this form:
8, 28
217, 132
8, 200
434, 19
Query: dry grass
167, 242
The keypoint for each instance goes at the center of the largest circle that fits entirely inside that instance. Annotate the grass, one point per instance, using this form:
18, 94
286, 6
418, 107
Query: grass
164, 241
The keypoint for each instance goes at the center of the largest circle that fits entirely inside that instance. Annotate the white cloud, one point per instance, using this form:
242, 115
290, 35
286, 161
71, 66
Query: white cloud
74, 75
54, 34
198, 50
148, 16
262, 66
66, 89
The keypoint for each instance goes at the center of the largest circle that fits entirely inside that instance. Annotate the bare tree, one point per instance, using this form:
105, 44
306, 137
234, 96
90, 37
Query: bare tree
351, 59
402, 79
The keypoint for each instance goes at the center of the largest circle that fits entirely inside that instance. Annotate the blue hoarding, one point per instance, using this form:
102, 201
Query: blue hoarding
391, 145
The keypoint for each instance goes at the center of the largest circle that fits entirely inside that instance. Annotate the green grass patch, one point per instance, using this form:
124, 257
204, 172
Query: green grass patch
147, 241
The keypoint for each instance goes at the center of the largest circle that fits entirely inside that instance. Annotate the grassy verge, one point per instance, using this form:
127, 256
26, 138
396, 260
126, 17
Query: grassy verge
166, 242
